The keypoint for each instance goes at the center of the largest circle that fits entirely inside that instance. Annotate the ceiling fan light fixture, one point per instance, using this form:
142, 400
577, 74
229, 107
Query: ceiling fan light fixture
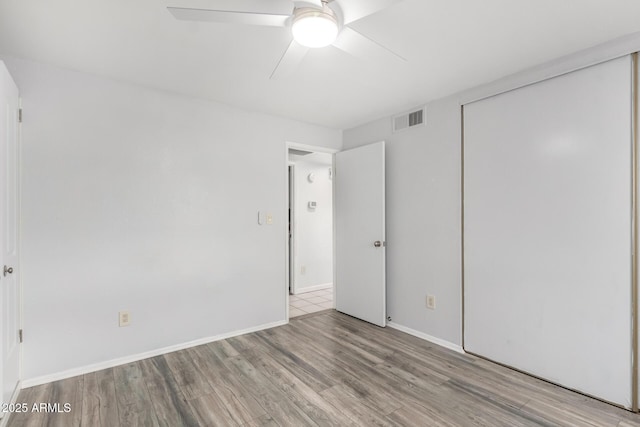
315, 27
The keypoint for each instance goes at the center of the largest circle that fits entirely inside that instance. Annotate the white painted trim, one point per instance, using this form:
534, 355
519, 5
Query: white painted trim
334, 259
140, 356
292, 225
306, 289
287, 249
438, 341
14, 398
312, 148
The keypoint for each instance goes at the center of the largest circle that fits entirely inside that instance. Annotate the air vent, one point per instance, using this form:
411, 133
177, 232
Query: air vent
408, 120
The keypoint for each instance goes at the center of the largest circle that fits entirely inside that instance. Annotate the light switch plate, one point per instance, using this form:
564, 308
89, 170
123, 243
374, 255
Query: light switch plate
124, 318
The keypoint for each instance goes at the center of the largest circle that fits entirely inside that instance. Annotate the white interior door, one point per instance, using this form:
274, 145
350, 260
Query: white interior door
9, 290
360, 233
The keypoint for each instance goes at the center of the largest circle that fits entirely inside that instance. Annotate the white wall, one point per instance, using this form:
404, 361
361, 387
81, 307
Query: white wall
313, 229
423, 198
133, 200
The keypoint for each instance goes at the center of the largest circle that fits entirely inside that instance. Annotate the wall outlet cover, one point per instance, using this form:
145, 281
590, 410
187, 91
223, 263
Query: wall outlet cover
431, 302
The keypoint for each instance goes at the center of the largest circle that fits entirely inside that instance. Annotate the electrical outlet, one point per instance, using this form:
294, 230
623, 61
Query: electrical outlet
431, 302
124, 318
269, 219
303, 269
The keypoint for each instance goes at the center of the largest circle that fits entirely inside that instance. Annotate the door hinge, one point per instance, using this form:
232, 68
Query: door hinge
20, 334
19, 115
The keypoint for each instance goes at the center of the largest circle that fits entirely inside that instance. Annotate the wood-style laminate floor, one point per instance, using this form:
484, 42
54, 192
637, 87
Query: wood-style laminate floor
320, 369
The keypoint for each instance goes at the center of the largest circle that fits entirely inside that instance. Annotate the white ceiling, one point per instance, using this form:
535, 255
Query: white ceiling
450, 45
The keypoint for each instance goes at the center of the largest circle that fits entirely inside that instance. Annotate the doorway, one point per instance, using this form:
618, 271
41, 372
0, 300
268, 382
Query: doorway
357, 231
310, 227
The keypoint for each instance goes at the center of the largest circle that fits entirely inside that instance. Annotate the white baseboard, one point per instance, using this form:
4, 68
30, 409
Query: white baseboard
438, 341
14, 398
140, 356
313, 288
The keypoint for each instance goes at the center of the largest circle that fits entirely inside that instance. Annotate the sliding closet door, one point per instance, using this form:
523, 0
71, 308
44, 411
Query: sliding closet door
548, 231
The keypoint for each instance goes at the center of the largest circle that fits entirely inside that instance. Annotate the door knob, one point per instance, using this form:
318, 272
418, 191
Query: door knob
8, 270
377, 243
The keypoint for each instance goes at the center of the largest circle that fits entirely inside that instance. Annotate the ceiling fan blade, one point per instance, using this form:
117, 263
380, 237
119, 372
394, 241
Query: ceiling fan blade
290, 60
352, 10
303, 3
363, 47
229, 17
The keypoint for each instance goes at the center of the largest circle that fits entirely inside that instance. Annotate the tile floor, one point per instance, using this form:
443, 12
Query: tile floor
310, 302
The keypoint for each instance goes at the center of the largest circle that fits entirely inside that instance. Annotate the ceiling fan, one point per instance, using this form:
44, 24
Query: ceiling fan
313, 24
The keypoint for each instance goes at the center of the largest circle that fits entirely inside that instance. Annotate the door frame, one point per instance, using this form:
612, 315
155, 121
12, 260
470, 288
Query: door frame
315, 149
291, 249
